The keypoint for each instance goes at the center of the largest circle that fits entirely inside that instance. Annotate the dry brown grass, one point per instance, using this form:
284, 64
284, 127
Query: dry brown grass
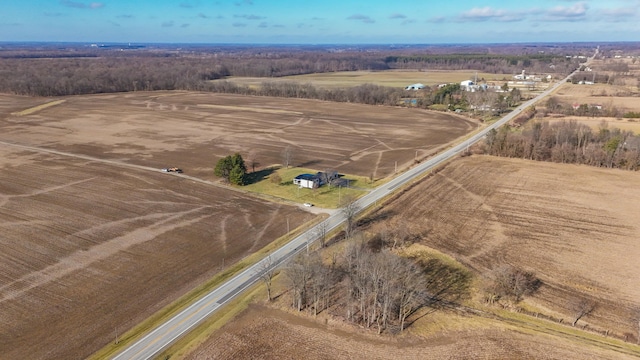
391, 78
35, 109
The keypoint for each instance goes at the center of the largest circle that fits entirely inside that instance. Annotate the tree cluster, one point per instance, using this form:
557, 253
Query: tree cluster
567, 142
232, 169
372, 286
511, 283
374, 289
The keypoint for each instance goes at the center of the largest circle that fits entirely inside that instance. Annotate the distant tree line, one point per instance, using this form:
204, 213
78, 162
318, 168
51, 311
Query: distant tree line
491, 63
567, 142
59, 73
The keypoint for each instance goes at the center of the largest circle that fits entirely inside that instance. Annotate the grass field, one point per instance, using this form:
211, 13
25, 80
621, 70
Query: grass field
390, 78
324, 196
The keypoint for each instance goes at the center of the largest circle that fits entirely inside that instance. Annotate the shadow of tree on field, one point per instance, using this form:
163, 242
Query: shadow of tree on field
257, 176
309, 163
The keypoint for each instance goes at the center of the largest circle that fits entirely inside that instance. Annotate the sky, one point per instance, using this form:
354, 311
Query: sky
319, 22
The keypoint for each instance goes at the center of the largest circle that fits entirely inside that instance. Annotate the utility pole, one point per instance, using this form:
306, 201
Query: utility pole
287, 226
396, 168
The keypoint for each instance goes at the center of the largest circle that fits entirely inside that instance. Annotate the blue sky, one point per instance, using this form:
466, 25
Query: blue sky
314, 22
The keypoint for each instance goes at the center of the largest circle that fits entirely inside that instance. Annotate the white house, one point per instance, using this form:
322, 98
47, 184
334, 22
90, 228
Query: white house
311, 181
307, 181
467, 85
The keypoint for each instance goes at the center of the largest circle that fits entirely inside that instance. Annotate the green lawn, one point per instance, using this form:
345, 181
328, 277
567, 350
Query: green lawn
325, 196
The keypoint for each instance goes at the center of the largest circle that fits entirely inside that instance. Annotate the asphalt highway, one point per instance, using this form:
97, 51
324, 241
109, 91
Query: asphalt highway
165, 334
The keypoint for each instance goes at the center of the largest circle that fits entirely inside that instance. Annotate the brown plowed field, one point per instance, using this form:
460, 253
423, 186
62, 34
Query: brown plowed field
264, 333
192, 130
92, 248
88, 248
95, 238
576, 227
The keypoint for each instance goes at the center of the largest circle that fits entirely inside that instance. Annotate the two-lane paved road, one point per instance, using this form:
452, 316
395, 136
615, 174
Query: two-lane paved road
162, 336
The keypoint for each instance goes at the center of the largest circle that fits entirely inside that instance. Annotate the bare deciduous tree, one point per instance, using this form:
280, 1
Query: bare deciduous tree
321, 233
298, 273
267, 271
287, 156
510, 282
350, 210
581, 307
252, 160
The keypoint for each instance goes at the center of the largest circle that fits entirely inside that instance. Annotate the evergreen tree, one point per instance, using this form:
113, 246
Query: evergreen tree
232, 168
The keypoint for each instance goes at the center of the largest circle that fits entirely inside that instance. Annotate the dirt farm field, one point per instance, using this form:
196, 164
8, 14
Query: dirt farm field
95, 238
89, 248
599, 94
192, 130
574, 226
266, 333
607, 96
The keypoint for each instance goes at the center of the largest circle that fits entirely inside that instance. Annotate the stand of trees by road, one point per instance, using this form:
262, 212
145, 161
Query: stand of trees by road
370, 286
567, 142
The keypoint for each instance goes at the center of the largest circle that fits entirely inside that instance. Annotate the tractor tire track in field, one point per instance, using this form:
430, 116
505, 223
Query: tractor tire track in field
83, 258
6, 198
113, 162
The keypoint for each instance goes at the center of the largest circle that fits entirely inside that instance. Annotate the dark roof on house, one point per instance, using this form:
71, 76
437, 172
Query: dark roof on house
307, 177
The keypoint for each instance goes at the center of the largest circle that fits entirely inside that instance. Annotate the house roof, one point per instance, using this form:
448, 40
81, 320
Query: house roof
306, 177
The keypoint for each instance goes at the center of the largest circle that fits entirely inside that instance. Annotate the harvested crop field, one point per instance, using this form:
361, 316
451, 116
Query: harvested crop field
266, 333
390, 78
96, 238
620, 97
91, 248
193, 130
595, 123
575, 227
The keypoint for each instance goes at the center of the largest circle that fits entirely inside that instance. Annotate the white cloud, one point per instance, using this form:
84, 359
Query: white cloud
489, 14
574, 12
365, 19
397, 16
81, 5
